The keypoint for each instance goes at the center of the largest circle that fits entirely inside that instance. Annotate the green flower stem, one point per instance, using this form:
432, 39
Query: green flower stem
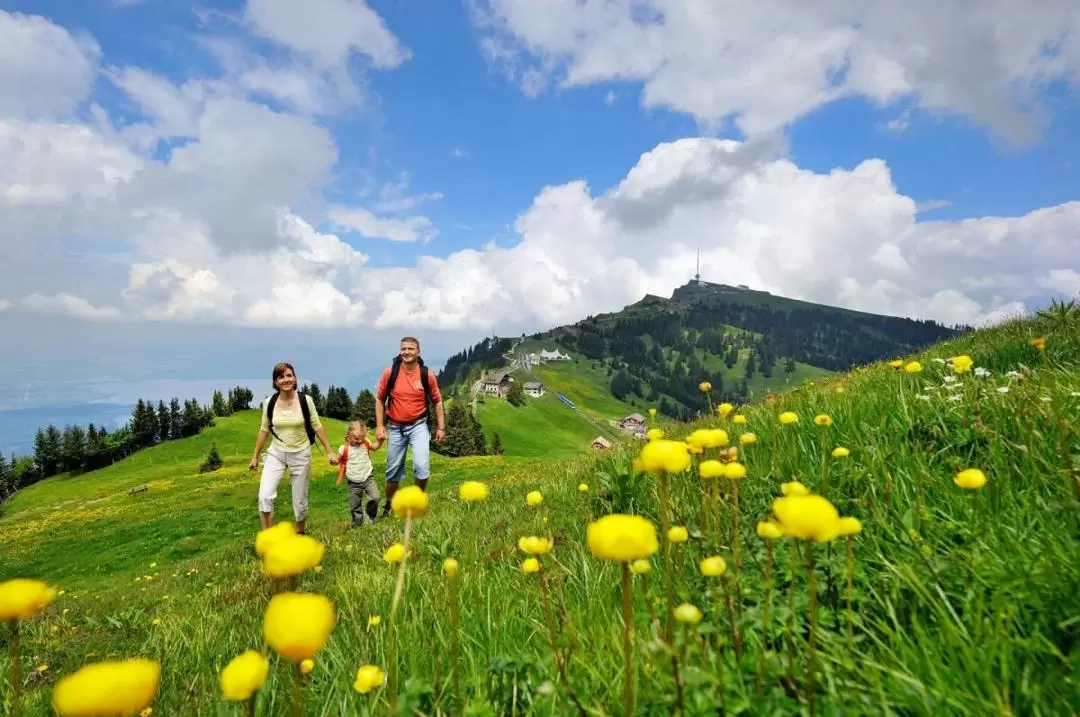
297, 677
628, 654
765, 617
560, 666
665, 524
824, 462
850, 579
250, 704
791, 608
16, 670
736, 549
391, 634
454, 647
812, 656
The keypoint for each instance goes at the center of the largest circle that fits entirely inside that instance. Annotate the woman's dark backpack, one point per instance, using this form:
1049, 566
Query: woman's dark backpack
304, 409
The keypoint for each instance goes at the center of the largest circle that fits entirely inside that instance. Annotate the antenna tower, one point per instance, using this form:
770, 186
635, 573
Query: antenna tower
697, 270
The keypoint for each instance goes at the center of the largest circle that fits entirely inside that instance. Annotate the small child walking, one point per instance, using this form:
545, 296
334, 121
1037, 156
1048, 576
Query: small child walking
355, 467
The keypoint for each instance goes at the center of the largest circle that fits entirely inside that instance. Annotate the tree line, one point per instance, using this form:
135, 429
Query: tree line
76, 450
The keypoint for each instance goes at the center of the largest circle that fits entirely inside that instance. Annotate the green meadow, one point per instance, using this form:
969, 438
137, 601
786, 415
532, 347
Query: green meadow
948, 602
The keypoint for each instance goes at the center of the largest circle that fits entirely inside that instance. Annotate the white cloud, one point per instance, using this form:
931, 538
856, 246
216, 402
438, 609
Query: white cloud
44, 70
67, 304
1062, 281
768, 63
4, 304
408, 229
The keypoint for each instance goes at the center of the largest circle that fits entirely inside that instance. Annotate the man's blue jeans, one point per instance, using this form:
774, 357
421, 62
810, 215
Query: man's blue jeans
399, 437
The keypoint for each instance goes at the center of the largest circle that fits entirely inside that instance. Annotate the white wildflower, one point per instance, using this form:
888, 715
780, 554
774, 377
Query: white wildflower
981, 372
938, 360
1002, 389
951, 379
1046, 399
1014, 374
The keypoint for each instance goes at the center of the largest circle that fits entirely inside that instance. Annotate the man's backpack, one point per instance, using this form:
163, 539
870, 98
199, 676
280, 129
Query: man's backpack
304, 409
395, 369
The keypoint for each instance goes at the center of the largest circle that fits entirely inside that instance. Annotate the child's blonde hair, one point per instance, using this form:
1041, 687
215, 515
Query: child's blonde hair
356, 432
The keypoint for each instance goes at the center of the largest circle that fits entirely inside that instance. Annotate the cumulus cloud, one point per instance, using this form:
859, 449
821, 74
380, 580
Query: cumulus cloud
769, 63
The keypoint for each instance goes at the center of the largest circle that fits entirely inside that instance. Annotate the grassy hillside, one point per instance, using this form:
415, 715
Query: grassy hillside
963, 602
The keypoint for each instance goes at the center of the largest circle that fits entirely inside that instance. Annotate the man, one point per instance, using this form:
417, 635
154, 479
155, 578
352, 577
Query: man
402, 397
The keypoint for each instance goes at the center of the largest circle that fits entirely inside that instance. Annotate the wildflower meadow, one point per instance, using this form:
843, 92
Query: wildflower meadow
899, 539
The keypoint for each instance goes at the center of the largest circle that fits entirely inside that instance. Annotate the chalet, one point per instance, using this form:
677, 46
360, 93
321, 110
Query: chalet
535, 389
600, 443
634, 423
496, 383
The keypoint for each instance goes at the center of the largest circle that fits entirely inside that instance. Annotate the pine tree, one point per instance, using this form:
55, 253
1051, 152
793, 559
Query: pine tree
47, 451
317, 397
163, 422
191, 421
213, 460
95, 448
176, 419
363, 408
73, 449
7, 479
218, 405
496, 444
338, 404
515, 396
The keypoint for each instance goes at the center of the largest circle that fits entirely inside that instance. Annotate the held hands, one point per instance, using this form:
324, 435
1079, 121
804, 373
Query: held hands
380, 433
332, 457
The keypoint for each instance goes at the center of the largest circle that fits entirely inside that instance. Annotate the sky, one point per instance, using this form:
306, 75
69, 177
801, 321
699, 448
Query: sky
195, 190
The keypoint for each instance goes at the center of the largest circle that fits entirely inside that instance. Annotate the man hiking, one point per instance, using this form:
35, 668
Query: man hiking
401, 412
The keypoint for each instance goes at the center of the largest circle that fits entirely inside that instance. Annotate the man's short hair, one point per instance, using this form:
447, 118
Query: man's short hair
413, 339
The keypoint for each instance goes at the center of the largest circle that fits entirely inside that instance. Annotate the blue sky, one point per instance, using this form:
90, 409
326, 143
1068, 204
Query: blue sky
335, 173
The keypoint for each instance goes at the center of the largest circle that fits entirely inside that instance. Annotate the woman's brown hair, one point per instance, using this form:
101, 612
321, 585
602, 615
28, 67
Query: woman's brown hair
279, 371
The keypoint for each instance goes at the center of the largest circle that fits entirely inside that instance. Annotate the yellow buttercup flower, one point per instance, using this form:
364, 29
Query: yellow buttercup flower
704, 386
621, 537
748, 439
583, 487
665, 455
688, 614
374, 620
713, 567
654, 434
534, 498
768, 530
823, 419
789, 417
896, 363
368, 678
306, 666
409, 502
534, 545
292, 555
530, 565
724, 409
711, 469
244, 676
734, 471
472, 490
1039, 343
962, 364
652, 411
913, 367
808, 517
738, 418
970, 479
849, 526
395, 553
707, 438
268, 536
794, 488
640, 566
114, 687
297, 625
840, 452
21, 598
678, 534
450, 566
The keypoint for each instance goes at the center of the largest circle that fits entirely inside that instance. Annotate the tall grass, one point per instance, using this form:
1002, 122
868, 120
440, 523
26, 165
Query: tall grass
964, 602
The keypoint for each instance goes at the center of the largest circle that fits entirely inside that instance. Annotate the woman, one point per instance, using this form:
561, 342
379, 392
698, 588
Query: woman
290, 448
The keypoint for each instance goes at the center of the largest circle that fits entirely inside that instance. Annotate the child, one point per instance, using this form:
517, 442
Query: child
355, 465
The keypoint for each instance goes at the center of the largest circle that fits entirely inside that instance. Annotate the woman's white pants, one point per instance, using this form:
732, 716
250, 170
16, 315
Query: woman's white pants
299, 465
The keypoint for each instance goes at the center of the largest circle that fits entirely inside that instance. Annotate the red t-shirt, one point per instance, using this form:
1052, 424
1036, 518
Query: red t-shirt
407, 402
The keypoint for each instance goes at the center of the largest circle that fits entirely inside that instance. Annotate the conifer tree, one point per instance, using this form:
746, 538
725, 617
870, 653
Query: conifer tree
73, 449
218, 405
176, 419
363, 408
496, 444
213, 460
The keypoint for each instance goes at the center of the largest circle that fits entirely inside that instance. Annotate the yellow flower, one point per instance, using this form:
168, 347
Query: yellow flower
530, 565
840, 452
409, 502
794, 488
808, 517
711, 469
789, 417
688, 613
724, 409
896, 363
368, 678
147, 712
652, 411
768, 530
738, 418
292, 556
534, 545
839, 389
115, 687
962, 364
450, 566
374, 620
583, 487
704, 386
823, 419
734, 471
395, 553
913, 367
472, 491
621, 537
534, 498
306, 666
665, 455
713, 567
21, 598
654, 434
849, 526
268, 536
748, 439
677, 534
1039, 343
640, 566
297, 625
970, 479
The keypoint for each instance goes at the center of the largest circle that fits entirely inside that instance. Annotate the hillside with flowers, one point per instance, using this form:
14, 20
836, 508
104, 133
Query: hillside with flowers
900, 538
